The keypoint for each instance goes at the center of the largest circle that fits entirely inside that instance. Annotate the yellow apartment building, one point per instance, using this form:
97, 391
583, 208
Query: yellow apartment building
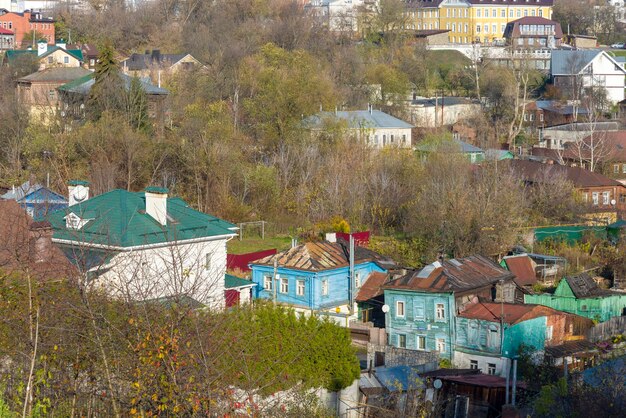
472, 21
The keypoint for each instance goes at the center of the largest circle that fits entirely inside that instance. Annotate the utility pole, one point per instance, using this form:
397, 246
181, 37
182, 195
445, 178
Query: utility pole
274, 281
352, 290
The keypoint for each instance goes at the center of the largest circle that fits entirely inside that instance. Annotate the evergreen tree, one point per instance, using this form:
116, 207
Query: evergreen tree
137, 106
108, 90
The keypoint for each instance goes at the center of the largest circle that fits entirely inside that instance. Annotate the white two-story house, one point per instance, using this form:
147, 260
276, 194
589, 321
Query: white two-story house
574, 71
144, 245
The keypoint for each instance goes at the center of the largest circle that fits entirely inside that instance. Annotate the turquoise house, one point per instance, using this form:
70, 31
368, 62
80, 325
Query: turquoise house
315, 276
422, 306
581, 295
489, 333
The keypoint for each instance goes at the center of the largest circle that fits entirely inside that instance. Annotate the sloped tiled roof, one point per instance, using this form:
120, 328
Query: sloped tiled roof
323, 255
119, 219
454, 275
372, 287
514, 313
523, 267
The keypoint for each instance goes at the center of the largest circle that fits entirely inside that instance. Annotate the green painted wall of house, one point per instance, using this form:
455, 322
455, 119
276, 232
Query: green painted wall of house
531, 333
600, 309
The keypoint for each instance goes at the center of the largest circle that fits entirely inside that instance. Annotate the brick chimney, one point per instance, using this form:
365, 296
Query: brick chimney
156, 204
40, 242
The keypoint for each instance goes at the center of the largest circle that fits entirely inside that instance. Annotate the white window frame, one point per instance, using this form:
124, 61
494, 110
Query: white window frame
357, 280
324, 286
606, 198
300, 287
491, 368
440, 314
440, 345
595, 196
208, 261
473, 364
284, 285
422, 338
268, 283
400, 303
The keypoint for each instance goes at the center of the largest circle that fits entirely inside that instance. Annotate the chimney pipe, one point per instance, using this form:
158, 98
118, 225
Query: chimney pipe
77, 191
42, 48
156, 204
40, 242
331, 237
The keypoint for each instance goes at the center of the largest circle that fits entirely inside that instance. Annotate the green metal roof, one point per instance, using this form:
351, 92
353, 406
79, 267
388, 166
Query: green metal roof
231, 282
13, 54
154, 189
78, 183
119, 219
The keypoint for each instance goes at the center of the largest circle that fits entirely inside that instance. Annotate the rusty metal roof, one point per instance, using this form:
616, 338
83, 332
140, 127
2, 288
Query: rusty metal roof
372, 287
513, 313
570, 348
324, 255
453, 276
523, 267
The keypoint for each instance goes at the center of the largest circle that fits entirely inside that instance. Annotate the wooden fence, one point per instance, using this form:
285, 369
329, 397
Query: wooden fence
607, 329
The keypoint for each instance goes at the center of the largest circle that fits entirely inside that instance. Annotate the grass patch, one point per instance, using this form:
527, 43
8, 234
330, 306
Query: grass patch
252, 244
617, 52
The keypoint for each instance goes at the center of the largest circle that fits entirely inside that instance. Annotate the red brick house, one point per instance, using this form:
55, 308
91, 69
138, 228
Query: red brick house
604, 198
23, 25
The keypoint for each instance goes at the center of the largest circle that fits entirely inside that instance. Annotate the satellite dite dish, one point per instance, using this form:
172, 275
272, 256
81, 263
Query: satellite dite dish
385, 308
613, 202
80, 193
437, 384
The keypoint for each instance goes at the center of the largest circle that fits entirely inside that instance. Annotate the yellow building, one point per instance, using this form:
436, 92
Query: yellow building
471, 21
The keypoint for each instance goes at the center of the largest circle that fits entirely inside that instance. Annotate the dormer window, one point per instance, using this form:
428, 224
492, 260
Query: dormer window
73, 221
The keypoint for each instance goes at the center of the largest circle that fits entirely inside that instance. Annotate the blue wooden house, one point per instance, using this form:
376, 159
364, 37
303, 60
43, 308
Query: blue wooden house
36, 199
315, 276
423, 305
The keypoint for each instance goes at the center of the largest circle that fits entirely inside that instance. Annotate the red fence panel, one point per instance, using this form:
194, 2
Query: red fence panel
241, 261
362, 239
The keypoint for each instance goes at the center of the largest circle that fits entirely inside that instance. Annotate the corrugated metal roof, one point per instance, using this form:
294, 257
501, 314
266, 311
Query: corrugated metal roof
119, 218
372, 287
536, 172
570, 347
453, 276
358, 119
570, 62
83, 85
583, 286
513, 313
523, 267
58, 74
323, 255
